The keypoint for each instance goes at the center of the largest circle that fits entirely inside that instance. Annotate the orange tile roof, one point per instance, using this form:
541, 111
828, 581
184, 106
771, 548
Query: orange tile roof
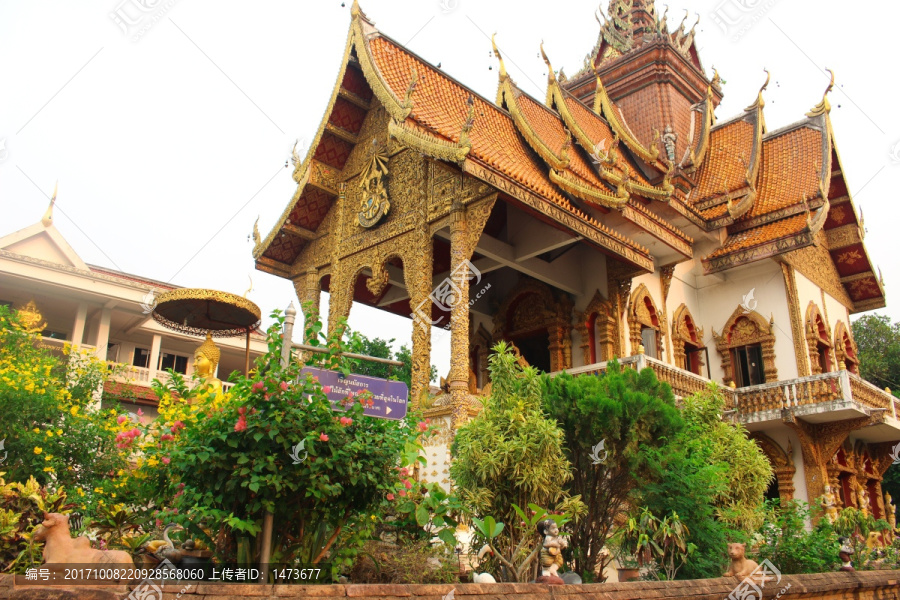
790, 169
725, 167
599, 131
439, 106
760, 235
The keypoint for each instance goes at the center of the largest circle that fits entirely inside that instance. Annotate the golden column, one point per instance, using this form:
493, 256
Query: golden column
418, 276
459, 315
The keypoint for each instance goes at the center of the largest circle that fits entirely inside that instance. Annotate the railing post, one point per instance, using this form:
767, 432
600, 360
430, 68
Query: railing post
290, 315
846, 390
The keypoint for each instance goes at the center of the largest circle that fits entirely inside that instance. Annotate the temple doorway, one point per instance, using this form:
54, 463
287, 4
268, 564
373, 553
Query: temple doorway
535, 349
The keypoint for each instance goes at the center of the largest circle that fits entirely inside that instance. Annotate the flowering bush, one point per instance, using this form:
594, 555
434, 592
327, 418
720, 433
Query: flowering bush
58, 435
272, 444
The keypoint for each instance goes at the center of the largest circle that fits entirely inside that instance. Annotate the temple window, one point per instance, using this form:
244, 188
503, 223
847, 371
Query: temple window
748, 365
818, 341
687, 342
747, 347
644, 323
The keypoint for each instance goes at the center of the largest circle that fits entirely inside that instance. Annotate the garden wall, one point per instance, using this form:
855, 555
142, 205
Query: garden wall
864, 585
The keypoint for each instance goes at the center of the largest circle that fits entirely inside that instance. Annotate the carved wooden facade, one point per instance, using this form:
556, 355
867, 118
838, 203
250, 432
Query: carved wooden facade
818, 339
597, 328
684, 331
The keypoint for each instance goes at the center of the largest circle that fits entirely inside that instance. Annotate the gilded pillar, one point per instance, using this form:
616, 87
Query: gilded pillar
459, 315
309, 292
341, 290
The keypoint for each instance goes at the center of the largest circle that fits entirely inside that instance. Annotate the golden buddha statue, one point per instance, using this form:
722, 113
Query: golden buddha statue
206, 360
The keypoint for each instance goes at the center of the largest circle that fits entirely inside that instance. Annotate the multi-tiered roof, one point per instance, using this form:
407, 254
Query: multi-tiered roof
627, 148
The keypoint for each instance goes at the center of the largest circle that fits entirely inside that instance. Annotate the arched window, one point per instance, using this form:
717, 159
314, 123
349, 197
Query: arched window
687, 342
644, 324
845, 348
818, 341
597, 328
747, 346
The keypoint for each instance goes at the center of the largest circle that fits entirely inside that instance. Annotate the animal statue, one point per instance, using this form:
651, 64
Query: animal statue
61, 548
165, 549
483, 577
741, 566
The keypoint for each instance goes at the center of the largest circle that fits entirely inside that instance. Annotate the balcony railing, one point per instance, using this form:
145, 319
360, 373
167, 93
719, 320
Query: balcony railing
144, 377
841, 393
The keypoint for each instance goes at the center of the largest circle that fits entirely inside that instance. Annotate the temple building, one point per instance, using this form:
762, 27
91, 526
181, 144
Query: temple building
616, 217
102, 312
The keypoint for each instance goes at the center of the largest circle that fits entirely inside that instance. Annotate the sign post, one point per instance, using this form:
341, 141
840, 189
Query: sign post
389, 397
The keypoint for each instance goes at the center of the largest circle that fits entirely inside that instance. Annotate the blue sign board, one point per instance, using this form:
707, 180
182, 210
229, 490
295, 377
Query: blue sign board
389, 397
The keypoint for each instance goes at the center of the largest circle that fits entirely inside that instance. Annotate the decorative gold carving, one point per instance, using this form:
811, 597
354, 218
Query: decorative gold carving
603, 105
845, 235
743, 329
375, 203
459, 316
427, 144
31, 318
677, 240
815, 263
248, 310
790, 286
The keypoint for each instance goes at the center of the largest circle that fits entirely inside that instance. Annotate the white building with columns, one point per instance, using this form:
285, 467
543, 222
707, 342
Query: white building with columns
103, 311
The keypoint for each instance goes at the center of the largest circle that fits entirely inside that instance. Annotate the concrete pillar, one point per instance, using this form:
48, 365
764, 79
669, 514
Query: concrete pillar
78, 325
154, 355
103, 333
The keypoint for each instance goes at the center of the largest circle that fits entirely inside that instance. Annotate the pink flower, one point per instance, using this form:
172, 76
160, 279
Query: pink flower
423, 425
166, 460
140, 413
242, 410
346, 421
121, 419
404, 472
159, 523
390, 497
167, 437
323, 437
267, 396
241, 424
407, 484
284, 386
135, 432
258, 386
326, 389
402, 493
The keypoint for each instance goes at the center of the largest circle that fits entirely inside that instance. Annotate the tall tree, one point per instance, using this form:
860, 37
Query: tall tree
878, 342
610, 423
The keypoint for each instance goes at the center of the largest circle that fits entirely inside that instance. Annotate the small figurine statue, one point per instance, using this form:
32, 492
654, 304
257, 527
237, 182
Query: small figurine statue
551, 551
862, 497
844, 554
829, 504
61, 549
741, 566
206, 360
890, 511
669, 138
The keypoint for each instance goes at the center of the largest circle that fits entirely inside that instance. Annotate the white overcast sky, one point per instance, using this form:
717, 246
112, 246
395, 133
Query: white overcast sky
170, 146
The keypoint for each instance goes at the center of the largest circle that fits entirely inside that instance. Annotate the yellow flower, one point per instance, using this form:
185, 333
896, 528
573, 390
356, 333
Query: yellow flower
74, 410
48, 457
38, 449
48, 469
98, 490
59, 432
120, 472
36, 430
49, 433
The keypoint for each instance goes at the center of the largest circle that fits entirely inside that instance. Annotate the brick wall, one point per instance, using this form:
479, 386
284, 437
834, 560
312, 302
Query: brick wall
864, 585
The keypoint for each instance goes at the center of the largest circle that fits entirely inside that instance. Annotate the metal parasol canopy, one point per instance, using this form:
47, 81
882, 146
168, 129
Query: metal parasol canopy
199, 311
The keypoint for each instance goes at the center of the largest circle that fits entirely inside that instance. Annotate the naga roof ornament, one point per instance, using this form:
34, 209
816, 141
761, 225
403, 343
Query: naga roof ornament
824, 106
